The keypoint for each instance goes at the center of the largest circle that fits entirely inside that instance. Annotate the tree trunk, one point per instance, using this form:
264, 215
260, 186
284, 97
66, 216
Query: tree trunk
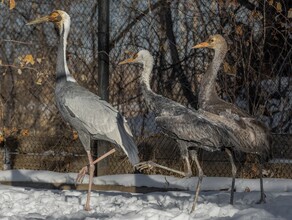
177, 67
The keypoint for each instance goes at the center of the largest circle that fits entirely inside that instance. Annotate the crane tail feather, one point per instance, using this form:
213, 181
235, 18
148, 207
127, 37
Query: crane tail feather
127, 143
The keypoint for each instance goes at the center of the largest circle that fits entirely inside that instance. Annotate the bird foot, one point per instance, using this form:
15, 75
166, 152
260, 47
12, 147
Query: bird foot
262, 200
84, 170
145, 165
188, 175
87, 208
150, 165
81, 175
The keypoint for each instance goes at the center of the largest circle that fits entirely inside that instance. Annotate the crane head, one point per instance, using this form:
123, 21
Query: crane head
58, 17
214, 42
139, 57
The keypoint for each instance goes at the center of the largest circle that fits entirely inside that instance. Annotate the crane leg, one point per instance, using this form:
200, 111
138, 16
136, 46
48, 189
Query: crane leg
150, 165
234, 171
189, 171
91, 171
84, 170
263, 196
185, 156
200, 178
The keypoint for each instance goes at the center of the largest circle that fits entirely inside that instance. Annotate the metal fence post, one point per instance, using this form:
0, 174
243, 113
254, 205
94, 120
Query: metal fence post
103, 72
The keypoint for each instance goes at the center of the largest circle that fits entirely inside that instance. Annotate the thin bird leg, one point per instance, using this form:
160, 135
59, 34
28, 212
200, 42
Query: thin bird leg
189, 172
84, 170
201, 174
150, 165
91, 170
234, 171
263, 196
104, 156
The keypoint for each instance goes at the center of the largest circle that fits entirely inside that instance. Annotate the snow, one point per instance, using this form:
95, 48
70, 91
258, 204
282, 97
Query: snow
29, 203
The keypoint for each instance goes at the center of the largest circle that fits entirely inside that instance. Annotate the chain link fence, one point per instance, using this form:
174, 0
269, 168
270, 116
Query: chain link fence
256, 76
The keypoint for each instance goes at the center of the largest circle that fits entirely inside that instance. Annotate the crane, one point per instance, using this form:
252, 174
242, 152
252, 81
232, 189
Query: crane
209, 100
192, 129
91, 117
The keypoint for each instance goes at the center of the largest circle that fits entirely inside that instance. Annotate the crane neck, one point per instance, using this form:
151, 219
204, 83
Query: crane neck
207, 87
62, 71
147, 73
147, 92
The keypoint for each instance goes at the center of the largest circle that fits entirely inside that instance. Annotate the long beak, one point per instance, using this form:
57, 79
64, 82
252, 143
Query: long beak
39, 20
201, 45
130, 60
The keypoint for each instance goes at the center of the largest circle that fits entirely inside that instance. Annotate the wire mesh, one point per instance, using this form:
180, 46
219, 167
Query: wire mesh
256, 76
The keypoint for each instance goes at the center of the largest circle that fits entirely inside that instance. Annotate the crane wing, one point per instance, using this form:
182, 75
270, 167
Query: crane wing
88, 112
96, 115
198, 129
226, 108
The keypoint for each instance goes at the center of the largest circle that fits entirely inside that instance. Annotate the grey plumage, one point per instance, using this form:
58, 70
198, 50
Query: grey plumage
208, 98
252, 135
194, 129
91, 117
190, 128
188, 125
94, 118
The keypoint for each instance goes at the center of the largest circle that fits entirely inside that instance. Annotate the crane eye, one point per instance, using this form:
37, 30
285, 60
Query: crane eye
55, 17
135, 56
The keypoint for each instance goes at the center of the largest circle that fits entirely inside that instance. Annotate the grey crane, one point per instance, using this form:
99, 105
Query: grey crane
91, 117
209, 100
192, 129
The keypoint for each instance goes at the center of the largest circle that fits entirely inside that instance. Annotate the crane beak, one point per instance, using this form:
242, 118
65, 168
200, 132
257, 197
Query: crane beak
202, 45
130, 60
39, 20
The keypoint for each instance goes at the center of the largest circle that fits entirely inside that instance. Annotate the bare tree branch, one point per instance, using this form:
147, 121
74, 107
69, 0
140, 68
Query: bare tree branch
134, 21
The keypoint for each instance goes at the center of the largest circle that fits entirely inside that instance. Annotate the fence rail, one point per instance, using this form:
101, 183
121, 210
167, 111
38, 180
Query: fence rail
71, 157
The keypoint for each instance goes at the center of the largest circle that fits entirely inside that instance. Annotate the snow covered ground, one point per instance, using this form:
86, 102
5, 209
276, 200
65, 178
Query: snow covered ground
28, 203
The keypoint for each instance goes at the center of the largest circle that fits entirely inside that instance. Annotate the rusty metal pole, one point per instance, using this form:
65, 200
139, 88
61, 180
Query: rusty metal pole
103, 73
